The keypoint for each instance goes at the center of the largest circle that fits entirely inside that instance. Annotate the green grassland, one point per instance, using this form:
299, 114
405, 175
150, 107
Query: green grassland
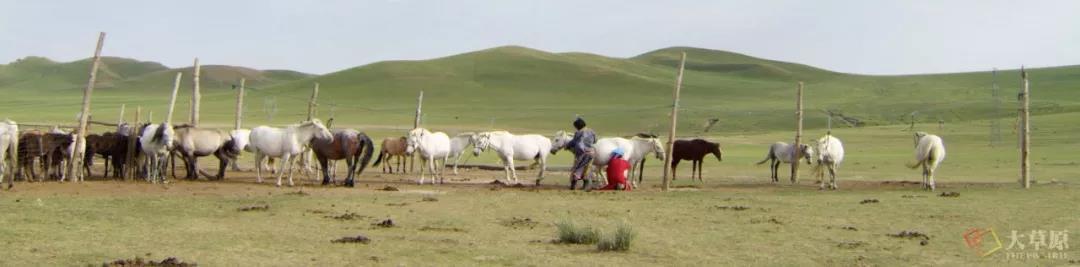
526, 90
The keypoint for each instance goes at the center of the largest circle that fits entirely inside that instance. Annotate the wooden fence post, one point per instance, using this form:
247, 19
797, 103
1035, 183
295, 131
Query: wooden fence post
311, 103
172, 99
84, 116
196, 95
1025, 144
419, 105
239, 106
674, 122
798, 134
120, 120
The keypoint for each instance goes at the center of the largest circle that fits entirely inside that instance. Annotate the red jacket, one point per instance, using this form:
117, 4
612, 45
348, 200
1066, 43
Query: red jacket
616, 173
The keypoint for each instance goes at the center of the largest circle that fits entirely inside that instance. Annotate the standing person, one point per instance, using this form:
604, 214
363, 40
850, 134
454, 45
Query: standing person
616, 171
582, 148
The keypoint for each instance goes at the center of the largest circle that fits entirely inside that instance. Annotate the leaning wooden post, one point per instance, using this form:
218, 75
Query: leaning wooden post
172, 99
239, 106
120, 120
311, 104
84, 117
798, 134
674, 122
419, 105
1025, 145
129, 160
196, 95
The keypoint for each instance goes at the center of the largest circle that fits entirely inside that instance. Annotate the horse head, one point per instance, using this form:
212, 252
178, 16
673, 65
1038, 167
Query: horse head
807, 152
560, 141
716, 151
919, 135
412, 140
658, 147
318, 130
481, 142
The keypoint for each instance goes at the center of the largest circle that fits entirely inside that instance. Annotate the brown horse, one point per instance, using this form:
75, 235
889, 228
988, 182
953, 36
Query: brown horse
695, 151
34, 145
393, 148
112, 148
348, 144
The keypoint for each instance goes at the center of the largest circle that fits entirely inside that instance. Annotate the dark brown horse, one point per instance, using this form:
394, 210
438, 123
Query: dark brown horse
695, 151
112, 148
35, 145
348, 144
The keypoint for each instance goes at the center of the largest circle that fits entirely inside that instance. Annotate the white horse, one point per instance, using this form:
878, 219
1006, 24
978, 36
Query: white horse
157, 141
9, 140
561, 139
635, 149
432, 147
458, 144
929, 152
511, 147
285, 143
830, 154
781, 152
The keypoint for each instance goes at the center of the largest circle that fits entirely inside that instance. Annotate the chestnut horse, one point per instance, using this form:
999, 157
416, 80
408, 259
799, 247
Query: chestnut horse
348, 144
393, 148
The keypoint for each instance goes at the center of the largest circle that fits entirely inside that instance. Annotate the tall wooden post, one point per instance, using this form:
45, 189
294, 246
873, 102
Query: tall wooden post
196, 95
311, 104
172, 99
798, 134
120, 120
130, 170
419, 105
84, 117
674, 122
1025, 145
239, 106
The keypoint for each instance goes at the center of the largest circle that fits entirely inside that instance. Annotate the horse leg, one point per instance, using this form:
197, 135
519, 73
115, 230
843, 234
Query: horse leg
543, 168
832, 175
422, 172
513, 169
700, 170
286, 159
674, 167
456, 160
325, 171
223, 163
931, 175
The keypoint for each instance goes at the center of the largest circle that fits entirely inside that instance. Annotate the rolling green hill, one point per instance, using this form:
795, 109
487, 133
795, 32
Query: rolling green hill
526, 89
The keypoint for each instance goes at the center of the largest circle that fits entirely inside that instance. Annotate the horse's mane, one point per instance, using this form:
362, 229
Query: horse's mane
159, 133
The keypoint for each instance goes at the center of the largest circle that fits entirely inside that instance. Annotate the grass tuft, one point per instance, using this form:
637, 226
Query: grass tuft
571, 233
624, 235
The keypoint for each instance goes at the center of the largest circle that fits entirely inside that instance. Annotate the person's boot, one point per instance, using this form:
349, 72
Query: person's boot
585, 185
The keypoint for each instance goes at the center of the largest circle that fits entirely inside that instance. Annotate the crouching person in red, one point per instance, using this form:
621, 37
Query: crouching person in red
616, 171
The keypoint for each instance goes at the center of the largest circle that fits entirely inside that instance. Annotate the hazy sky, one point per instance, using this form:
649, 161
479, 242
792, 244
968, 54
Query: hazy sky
871, 37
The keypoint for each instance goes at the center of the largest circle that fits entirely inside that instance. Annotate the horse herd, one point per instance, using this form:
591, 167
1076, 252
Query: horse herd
155, 144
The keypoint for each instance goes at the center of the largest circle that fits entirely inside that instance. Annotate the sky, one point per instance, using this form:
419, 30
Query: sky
866, 37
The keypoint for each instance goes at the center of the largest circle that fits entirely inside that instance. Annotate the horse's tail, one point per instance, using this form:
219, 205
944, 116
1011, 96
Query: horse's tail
378, 159
368, 148
767, 157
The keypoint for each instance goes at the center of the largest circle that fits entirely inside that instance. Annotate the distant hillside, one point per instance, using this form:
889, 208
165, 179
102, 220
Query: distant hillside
514, 87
